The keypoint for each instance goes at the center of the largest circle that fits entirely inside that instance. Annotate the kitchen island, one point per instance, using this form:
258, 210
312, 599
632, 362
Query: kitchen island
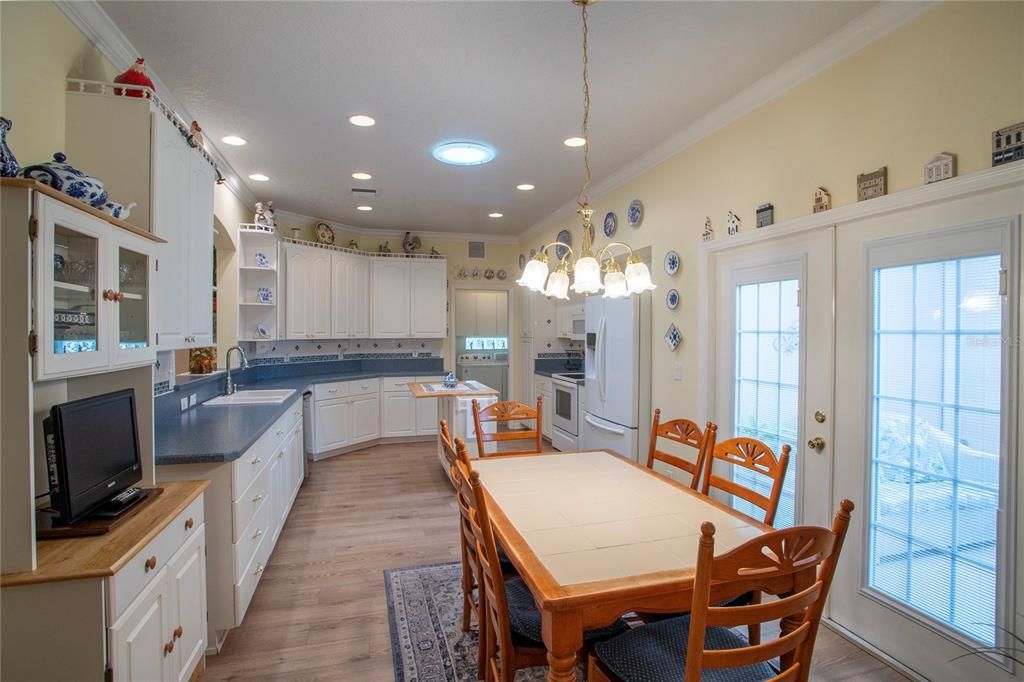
455, 406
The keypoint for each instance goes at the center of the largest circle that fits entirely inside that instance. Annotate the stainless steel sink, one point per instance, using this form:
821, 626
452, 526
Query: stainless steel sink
254, 397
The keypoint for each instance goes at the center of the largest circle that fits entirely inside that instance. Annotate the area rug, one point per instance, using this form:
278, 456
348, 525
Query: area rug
425, 613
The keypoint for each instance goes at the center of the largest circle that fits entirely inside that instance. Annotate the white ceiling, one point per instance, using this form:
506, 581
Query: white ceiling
286, 75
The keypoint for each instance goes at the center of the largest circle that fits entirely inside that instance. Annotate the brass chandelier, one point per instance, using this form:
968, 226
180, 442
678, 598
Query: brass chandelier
586, 266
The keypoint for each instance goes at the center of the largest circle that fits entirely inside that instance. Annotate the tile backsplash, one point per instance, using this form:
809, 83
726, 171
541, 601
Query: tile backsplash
319, 350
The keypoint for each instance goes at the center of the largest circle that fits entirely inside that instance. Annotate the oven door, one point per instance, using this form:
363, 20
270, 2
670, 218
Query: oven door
563, 414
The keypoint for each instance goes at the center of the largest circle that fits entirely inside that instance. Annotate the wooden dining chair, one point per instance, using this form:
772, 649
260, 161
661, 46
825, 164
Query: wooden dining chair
513, 630
684, 432
508, 411
703, 642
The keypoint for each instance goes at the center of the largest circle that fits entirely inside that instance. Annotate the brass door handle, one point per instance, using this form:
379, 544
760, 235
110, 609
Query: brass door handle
816, 443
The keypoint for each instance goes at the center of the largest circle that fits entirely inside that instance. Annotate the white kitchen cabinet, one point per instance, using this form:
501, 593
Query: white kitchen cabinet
429, 306
525, 369
481, 313
542, 386
307, 292
391, 297
426, 410
365, 418
350, 296
333, 420
526, 313
199, 290
170, 220
93, 284
138, 638
186, 572
319, 290
398, 414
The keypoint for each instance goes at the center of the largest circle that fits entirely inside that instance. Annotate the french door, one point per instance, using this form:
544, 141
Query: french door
926, 392
772, 364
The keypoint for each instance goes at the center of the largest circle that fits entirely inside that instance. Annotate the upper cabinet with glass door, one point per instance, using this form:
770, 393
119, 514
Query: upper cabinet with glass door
93, 307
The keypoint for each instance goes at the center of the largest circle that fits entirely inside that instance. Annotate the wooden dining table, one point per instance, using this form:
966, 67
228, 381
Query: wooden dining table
596, 536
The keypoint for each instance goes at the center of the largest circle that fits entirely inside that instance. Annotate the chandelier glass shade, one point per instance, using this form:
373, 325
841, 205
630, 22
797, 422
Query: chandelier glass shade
587, 267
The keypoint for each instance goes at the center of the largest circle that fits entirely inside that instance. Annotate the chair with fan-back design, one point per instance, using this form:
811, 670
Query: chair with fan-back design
702, 646
508, 411
684, 432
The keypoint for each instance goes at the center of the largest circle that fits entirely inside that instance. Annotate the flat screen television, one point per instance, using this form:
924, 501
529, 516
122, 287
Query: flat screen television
92, 453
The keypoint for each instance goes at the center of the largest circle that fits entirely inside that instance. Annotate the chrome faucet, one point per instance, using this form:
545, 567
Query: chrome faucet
229, 384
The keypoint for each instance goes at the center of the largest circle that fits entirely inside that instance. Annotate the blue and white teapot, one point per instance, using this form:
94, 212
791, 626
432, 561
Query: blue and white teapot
68, 179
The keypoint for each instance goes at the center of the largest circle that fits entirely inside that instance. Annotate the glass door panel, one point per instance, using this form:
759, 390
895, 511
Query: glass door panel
74, 323
132, 299
935, 443
767, 390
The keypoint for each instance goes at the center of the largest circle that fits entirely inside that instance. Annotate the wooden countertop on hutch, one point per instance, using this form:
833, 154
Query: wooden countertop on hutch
75, 203
98, 556
466, 389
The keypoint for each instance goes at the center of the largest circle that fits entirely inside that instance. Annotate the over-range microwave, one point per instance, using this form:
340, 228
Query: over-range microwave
579, 327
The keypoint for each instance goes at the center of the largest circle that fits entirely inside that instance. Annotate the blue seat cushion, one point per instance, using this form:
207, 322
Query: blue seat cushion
655, 652
525, 618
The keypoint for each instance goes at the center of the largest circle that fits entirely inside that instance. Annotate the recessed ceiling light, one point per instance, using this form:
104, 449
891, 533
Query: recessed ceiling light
463, 153
233, 140
575, 142
526, 187
361, 120
495, 215
259, 177
361, 176
364, 207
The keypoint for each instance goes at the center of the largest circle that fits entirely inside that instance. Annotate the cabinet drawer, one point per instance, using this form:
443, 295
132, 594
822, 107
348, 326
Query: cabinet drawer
335, 389
245, 507
247, 467
395, 384
249, 541
140, 570
361, 386
246, 586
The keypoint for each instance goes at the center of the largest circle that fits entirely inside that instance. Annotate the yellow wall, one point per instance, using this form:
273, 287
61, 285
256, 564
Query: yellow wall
943, 82
39, 49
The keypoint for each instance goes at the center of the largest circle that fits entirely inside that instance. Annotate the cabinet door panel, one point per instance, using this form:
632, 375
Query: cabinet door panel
359, 297
391, 298
398, 414
426, 416
296, 295
429, 310
465, 313
132, 336
187, 573
137, 639
332, 424
365, 418
318, 286
200, 250
486, 313
171, 187
341, 297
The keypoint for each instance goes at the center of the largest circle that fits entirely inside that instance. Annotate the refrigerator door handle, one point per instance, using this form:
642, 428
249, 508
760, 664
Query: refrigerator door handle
601, 360
603, 427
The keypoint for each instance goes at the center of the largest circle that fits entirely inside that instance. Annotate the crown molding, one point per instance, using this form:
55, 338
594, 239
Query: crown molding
988, 180
869, 27
101, 31
299, 218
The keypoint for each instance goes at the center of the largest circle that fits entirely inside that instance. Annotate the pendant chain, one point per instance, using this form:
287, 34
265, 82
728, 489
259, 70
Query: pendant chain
582, 199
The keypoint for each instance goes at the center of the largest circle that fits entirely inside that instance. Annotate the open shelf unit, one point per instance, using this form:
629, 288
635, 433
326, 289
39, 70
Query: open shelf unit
258, 258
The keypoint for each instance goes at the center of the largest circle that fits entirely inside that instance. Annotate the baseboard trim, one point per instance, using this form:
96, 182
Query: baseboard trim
318, 456
871, 649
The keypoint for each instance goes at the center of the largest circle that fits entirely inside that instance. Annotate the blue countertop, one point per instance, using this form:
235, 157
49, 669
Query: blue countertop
222, 433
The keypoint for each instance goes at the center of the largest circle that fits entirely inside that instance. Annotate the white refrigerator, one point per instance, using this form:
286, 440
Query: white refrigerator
618, 375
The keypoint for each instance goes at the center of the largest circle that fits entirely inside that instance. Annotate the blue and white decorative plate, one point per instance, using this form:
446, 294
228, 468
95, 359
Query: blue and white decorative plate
565, 238
522, 262
610, 223
261, 260
264, 295
673, 337
635, 213
672, 263
672, 299
262, 331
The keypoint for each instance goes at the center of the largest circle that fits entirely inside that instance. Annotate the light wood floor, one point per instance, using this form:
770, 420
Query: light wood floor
319, 611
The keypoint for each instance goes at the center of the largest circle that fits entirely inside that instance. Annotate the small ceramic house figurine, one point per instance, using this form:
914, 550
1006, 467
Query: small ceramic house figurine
1008, 144
732, 224
268, 210
261, 215
195, 135
872, 185
708, 234
765, 215
822, 200
941, 167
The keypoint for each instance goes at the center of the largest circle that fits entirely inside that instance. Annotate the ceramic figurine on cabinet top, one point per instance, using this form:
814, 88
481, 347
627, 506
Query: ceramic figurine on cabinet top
9, 167
68, 179
872, 185
135, 75
118, 210
384, 248
732, 223
195, 136
271, 216
434, 251
353, 244
410, 243
822, 200
941, 167
260, 218
1008, 144
765, 215
708, 234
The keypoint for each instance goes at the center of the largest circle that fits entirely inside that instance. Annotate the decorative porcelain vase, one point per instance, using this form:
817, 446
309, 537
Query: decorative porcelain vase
68, 179
118, 210
9, 167
450, 380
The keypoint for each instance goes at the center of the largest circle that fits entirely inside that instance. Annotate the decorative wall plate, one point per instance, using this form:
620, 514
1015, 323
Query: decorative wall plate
522, 262
324, 233
610, 223
488, 274
461, 274
262, 332
673, 337
264, 295
566, 238
475, 274
672, 299
261, 260
635, 213
502, 275
672, 262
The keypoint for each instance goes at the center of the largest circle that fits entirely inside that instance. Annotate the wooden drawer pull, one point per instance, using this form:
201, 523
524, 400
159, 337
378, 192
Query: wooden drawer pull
169, 647
178, 632
189, 523
150, 563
